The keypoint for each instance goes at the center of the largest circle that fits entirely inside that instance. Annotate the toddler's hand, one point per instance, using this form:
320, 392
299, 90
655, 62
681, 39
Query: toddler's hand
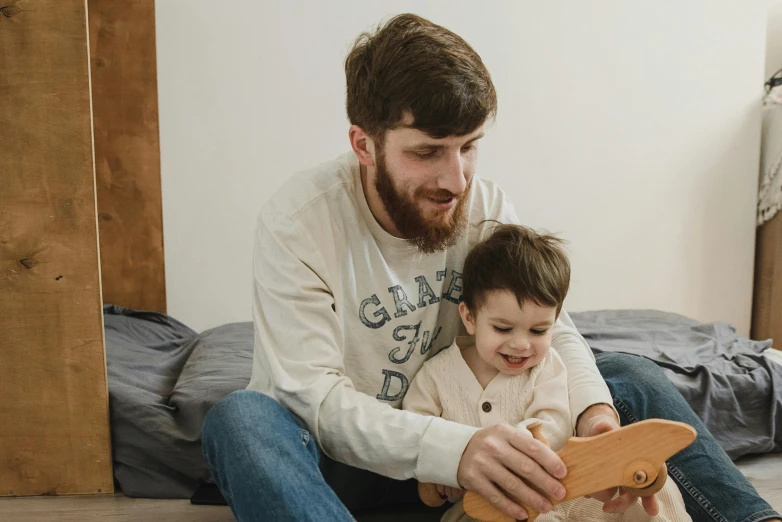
449, 492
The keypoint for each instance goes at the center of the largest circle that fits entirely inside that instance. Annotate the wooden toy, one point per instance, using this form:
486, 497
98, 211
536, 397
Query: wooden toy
632, 457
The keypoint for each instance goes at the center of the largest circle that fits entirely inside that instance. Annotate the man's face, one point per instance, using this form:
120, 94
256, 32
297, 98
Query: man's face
424, 184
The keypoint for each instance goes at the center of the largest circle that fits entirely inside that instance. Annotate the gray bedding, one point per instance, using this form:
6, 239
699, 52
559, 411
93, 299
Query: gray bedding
163, 377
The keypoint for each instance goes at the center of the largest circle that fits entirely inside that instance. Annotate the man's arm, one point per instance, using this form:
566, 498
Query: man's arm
589, 394
299, 357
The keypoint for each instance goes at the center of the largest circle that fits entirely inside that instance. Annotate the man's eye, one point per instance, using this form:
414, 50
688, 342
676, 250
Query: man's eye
468, 148
426, 154
501, 330
539, 332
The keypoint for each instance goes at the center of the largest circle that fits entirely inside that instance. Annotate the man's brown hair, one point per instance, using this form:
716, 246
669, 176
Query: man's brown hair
515, 258
413, 66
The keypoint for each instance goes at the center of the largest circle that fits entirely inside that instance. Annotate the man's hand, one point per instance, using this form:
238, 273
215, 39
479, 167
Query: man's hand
449, 492
597, 419
498, 457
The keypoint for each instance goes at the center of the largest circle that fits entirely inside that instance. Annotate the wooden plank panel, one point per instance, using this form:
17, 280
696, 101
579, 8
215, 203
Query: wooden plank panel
127, 152
54, 427
767, 305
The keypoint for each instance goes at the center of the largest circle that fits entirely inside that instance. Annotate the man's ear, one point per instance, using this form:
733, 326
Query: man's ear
467, 318
362, 145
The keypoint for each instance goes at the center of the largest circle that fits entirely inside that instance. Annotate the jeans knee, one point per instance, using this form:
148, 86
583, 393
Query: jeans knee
622, 370
249, 433
235, 413
224, 412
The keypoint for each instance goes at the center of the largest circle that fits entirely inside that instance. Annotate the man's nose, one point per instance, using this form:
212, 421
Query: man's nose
452, 176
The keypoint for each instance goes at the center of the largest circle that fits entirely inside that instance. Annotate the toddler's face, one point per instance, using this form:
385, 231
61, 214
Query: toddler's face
510, 337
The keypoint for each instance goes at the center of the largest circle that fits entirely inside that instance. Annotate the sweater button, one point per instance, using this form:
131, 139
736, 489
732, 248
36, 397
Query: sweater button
486, 407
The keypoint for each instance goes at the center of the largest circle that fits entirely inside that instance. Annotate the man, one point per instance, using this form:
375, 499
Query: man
357, 282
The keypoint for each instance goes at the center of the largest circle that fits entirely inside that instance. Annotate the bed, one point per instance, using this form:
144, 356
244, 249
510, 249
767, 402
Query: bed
163, 377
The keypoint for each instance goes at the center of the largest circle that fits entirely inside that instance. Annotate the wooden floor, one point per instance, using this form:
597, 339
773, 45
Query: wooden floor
108, 508
765, 473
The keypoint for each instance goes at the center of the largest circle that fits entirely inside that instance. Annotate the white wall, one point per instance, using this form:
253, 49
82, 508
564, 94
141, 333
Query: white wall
632, 130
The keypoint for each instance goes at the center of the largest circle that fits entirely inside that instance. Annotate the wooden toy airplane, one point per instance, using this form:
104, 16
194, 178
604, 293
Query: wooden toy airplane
632, 457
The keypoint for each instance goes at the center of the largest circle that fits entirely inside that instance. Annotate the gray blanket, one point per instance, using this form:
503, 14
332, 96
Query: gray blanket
163, 378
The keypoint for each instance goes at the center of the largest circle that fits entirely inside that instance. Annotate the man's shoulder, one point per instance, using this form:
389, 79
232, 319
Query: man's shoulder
315, 189
487, 187
488, 201
488, 205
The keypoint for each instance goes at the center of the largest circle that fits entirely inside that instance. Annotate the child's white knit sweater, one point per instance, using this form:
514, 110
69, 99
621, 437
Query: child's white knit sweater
446, 387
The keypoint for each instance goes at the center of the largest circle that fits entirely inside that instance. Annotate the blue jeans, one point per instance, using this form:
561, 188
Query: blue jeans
268, 466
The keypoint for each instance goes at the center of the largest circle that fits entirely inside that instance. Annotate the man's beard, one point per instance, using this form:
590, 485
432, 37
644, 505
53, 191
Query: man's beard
427, 235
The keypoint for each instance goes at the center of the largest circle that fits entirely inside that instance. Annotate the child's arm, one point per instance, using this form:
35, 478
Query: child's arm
550, 404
